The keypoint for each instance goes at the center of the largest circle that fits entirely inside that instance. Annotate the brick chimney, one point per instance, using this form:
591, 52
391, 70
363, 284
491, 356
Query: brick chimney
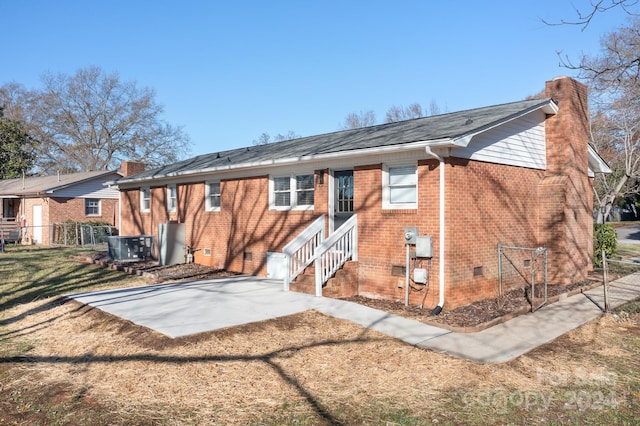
568, 131
566, 192
130, 167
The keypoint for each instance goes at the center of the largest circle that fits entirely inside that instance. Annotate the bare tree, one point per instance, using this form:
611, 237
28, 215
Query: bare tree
596, 7
92, 121
434, 108
358, 120
265, 137
400, 113
614, 78
615, 133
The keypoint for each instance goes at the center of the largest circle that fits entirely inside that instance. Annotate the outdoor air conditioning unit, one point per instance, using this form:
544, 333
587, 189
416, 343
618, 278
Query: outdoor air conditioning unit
131, 249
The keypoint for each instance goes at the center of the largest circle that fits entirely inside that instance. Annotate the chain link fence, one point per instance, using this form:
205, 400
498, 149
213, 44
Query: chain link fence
80, 234
524, 267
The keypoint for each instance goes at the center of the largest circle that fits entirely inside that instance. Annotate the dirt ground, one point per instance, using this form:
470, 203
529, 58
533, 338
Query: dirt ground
83, 366
78, 365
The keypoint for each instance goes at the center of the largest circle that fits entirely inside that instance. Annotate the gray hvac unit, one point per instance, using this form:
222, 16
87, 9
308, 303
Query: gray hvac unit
131, 249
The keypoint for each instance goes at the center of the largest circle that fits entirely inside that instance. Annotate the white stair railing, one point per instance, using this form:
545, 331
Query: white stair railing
335, 251
301, 251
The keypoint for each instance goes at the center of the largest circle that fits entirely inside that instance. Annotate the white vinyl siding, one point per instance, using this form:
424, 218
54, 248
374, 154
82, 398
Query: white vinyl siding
400, 187
520, 142
94, 188
291, 192
145, 199
212, 194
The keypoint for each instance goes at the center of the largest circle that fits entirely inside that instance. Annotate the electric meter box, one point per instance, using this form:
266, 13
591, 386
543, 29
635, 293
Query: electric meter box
424, 246
420, 276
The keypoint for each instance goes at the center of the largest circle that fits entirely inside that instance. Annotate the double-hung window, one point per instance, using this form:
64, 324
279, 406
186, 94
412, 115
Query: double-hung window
292, 192
304, 190
91, 207
212, 196
400, 187
145, 199
172, 198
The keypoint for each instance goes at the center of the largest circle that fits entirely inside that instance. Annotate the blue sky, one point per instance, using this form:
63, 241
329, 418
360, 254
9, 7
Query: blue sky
229, 71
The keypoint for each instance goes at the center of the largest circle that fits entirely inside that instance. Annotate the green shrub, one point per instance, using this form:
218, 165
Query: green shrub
604, 238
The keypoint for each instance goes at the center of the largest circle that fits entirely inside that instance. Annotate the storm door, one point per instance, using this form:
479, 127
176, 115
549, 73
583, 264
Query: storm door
343, 197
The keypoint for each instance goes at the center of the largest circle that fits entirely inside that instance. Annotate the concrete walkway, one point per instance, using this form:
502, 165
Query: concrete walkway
183, 309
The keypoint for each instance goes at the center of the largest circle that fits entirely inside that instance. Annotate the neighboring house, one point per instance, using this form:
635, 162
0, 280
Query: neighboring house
44, 200
516, 174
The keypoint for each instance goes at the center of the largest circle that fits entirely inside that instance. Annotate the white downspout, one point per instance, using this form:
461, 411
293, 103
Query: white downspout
438, 308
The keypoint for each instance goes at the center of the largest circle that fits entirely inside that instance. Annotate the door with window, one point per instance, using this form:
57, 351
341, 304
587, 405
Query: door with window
342, 197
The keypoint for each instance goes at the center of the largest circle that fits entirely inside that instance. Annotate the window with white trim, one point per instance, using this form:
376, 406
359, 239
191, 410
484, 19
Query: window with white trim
145, 199
400, 187
212, 196
172, 198
292, 192
92, 207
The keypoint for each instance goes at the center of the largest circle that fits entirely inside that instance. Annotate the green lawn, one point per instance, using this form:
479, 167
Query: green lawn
29, 273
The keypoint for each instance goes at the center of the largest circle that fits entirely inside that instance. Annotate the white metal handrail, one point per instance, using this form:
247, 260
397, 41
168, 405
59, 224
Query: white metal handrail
335, 251
301, 251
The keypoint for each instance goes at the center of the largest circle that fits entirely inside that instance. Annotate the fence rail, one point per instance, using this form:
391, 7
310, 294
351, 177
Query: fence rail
79, 234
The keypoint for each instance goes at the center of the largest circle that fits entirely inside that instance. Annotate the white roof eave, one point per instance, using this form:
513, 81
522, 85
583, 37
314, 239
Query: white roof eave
419, 145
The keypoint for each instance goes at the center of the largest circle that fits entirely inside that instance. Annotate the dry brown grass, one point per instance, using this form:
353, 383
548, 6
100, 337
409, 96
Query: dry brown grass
308, 368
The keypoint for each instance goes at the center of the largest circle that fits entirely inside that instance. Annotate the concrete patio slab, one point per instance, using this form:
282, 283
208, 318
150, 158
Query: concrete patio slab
186, 308
181, 309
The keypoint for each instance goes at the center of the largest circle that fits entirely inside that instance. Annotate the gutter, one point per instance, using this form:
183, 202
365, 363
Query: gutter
284, 161
438, 308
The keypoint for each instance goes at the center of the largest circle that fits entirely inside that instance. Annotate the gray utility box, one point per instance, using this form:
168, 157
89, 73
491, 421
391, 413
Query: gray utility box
131, 249
424, 246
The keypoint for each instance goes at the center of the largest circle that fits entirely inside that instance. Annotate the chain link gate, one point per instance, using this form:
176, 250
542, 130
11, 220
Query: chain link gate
524, 267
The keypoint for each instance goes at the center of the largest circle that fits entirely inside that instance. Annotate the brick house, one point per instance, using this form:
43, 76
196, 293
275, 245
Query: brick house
45, 200
517, 174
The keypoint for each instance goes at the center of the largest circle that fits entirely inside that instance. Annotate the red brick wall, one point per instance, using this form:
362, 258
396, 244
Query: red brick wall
27, 210
486, 204
381, 232
567, 229
64, 209
239, 235
56, 210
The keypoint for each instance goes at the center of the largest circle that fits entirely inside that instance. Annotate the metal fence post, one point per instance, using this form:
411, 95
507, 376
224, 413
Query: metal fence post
605, 284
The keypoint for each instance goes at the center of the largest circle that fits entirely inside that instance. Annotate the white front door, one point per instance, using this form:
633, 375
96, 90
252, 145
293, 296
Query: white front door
37, 224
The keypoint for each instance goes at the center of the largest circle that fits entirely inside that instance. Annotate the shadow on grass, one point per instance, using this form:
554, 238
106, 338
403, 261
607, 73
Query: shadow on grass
30, 274
43, 273
324, 414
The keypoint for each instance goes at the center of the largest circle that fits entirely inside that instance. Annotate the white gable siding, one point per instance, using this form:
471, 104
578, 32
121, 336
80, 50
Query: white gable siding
519, 142
90, 189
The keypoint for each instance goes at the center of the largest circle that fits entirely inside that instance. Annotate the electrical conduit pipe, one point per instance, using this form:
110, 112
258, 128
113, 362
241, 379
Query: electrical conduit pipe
438, 308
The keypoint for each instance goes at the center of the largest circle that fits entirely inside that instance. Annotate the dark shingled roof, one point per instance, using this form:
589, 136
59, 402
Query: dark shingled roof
445, 126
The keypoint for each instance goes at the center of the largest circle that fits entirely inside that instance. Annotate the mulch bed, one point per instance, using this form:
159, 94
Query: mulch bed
473, 317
